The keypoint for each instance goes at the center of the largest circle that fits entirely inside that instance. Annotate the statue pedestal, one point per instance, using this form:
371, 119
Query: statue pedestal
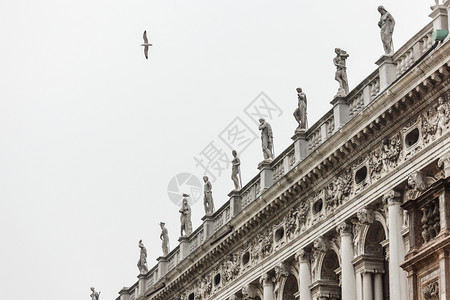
300, 145
440, 17
184, 246
235, 202
265, 175
387, 70
208, 226
341, 113
141, 284
124, 294
162, 266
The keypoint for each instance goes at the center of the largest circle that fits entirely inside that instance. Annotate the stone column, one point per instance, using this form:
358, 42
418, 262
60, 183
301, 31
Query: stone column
397, 276
341, 113
303, 259
378, 286
387, 70
300, 146
267, 283
367, 286
347, 270
265, 175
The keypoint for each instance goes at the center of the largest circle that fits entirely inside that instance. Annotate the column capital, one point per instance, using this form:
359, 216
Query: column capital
266, 279
392, 197
302, 256
344, 228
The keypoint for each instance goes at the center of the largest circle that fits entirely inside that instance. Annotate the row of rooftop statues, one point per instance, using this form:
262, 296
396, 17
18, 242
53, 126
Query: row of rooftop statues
386, 25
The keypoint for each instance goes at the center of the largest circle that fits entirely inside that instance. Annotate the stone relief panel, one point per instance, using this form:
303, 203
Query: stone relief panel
431, 291
338, 191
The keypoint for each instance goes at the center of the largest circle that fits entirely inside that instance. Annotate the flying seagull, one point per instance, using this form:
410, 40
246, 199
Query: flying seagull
146, 44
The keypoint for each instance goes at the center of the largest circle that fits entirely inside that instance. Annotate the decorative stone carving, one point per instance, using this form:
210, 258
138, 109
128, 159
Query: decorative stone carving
185, 218
386, 25
164, 236
302, 256
281, 272
390, 153
265, 279
249, 292
338, 190
366, 215
442, 116
321, 245
256, 251
208, 201
341, 72
417, 184
290, 223
431, 291
344, 228
375, 165
203, 288
236, 170
430, 221
94, 295
444, 163
300, 111
267, 244
266, 139
142, 262
231, 268
302, 216
392, 197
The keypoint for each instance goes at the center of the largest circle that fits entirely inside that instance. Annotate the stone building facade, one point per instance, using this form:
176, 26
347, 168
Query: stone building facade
358, 207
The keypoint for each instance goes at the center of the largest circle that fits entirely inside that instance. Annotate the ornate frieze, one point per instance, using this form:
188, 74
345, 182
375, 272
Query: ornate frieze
431, 291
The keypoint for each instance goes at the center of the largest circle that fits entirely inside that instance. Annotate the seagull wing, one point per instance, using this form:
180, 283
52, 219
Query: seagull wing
146, 52
145, 37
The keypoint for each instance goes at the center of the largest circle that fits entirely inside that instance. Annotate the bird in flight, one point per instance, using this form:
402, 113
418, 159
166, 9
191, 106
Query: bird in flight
146, 44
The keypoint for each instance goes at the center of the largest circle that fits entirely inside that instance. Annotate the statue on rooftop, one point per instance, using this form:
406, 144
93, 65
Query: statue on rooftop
165, 239
266, 139
95, 295
300, 111
386, 25
142, 262
235, 170
341, 72
185, 218
208, 201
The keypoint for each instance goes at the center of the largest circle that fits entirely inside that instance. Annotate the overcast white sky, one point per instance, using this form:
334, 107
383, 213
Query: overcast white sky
91, 133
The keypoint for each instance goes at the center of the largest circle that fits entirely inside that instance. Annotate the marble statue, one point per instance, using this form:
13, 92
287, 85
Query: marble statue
300, 111
142, 262
165, 239
266, 139
208, 202
386, 25
235, 171
95, 295
341, 72
185, 218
